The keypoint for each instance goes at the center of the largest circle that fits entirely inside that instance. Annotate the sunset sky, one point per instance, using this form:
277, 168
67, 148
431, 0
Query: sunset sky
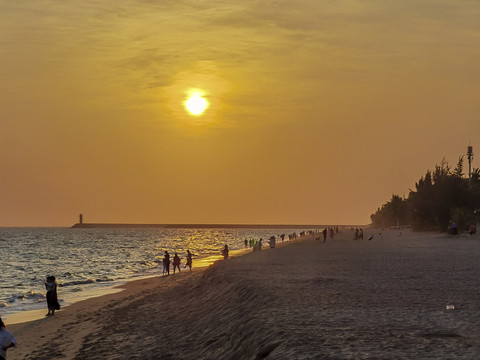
318, 111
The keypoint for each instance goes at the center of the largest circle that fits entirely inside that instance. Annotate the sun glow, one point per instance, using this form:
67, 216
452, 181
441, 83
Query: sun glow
196, 104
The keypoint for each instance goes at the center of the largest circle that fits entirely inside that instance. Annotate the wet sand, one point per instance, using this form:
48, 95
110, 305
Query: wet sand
385, 298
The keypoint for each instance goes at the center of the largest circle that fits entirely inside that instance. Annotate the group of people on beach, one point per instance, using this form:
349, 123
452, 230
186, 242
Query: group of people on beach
255, 245
331, 230
7, 340
453, 229
175, 262
358, 234
189, 260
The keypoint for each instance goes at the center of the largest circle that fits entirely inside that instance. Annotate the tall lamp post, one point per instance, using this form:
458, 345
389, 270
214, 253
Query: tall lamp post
470, 158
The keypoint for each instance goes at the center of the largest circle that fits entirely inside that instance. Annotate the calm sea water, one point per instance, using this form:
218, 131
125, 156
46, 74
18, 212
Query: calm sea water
86, 261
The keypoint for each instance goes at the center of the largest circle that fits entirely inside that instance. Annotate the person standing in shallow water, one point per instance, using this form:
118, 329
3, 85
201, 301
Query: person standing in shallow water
166, 263
225, 252
176, 263
189, 260
7, 340
52, 300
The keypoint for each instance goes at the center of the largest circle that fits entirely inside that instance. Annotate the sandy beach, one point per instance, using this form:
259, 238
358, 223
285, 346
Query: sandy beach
306, 299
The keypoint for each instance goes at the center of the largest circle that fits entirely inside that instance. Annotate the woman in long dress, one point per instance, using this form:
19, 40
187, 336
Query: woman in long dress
52, 300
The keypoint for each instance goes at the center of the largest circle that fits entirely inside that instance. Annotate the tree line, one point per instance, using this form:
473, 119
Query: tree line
441, 197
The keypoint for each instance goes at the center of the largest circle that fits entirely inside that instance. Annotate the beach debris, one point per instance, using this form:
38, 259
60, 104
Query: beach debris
450, 307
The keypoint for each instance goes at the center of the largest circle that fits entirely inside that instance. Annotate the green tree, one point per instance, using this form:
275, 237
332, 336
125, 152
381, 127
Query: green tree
392, 213
440, 197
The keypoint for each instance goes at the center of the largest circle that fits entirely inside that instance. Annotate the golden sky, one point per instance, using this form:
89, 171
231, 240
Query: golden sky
318, 110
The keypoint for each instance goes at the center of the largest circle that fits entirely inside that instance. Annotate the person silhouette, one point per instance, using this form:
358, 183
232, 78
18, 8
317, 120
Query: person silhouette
225, 252
7, 340
166, 263
52, 300
189, 260
176, 263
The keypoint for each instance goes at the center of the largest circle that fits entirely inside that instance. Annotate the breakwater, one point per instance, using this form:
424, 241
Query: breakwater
193, 226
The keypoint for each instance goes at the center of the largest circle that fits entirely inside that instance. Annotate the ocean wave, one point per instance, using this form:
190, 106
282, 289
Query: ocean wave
26, 296
85, 282
32, 295
77, 282
149, 264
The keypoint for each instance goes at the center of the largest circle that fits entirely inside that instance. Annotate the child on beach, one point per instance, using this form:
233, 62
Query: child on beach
176, 263
189, 260
6, 340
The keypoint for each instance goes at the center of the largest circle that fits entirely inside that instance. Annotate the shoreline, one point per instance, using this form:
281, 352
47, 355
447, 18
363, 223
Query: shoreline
385, 298
23, 316
194, 226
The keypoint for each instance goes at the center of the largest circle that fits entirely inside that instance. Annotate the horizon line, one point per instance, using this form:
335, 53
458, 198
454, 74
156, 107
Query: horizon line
199, 226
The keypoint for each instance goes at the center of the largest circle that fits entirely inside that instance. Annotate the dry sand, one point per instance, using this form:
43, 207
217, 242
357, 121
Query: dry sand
379, 299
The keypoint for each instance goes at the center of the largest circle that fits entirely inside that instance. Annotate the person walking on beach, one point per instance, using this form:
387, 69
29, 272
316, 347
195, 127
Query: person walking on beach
225, 252
7, 340
52, 300
324, 232
189, 260
176, 263
166, 263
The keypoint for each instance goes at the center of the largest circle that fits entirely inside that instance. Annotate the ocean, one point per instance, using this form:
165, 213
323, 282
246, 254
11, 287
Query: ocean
91, 262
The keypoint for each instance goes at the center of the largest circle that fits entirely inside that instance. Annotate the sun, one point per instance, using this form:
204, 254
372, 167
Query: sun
196, 104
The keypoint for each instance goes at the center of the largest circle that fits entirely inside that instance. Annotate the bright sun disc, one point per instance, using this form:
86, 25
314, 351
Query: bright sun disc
196, 105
